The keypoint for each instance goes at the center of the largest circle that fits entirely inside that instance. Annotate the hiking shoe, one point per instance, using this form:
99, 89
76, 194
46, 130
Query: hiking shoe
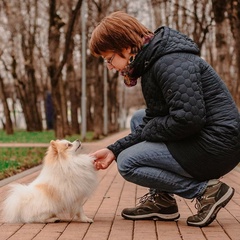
156, 206
208, 205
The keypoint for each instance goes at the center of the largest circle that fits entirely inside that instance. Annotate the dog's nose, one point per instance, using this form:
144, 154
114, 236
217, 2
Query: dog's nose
77, 140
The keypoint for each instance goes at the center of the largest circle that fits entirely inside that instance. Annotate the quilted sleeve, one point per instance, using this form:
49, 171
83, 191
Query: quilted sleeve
179, 79
126, 142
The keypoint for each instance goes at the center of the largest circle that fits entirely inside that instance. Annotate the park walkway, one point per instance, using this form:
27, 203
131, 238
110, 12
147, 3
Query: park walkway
112, 195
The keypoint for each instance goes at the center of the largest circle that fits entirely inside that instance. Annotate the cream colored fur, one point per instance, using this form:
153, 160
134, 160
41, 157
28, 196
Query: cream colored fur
65, 182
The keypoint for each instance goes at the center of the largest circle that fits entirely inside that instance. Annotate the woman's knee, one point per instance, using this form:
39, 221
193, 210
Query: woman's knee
124, 165
137, 119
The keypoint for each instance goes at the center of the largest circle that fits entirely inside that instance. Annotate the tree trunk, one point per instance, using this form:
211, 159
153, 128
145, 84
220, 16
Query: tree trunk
156, 12
27, 93
98, 104
55, 24
113, 111
73, 92
234, 17
75, 102
23, 69
222, 50
55, 67
8, 122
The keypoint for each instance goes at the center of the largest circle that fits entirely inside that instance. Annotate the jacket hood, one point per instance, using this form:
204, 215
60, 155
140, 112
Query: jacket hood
165, 41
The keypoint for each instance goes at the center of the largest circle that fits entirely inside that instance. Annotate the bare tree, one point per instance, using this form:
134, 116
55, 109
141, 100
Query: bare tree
157, 12
222, 50
193, 20
234, 18
8, 122
96, 11
55, 67
22, 68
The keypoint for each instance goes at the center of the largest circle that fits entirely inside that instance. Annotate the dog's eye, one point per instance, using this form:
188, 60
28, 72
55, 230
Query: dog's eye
70, 144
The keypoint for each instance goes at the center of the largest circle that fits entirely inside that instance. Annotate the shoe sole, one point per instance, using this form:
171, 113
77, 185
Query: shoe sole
153, 216
222, 202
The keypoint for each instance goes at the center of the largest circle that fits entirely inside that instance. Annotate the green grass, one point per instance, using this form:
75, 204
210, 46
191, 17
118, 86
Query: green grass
21, 136
15, 159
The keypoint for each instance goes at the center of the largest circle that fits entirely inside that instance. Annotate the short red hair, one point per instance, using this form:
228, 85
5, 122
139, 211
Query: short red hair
116, 32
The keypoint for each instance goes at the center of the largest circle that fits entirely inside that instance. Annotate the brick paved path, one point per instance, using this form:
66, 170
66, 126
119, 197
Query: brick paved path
114, 194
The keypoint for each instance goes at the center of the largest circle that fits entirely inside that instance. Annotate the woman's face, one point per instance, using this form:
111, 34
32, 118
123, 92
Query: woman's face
114, 61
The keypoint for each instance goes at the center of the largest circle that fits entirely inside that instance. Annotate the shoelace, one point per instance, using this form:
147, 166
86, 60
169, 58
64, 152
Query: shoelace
197, 205
147, 197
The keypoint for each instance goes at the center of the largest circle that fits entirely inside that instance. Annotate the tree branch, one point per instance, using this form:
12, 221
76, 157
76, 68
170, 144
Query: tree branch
68, 38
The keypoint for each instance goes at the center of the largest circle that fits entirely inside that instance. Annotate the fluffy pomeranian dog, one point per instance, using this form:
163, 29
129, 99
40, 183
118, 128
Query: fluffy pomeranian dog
65, 182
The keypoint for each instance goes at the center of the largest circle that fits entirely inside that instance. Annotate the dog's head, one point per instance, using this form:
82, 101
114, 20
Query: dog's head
62, 150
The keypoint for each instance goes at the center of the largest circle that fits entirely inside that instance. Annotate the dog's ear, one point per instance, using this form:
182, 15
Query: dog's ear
54, 146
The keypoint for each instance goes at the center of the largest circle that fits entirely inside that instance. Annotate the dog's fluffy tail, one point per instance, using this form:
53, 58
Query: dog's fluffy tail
13, 206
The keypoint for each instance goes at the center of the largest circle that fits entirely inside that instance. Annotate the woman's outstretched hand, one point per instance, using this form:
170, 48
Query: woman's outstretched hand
103, 158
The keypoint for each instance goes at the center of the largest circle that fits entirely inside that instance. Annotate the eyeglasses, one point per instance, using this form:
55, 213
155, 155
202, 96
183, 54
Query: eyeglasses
109, 61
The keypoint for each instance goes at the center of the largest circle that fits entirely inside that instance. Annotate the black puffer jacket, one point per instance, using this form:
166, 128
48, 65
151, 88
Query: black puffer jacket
188, 107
